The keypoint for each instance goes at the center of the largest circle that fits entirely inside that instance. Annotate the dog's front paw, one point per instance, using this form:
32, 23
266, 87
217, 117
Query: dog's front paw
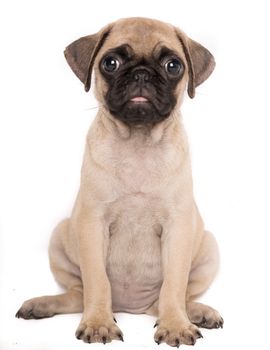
176, 332
97, 330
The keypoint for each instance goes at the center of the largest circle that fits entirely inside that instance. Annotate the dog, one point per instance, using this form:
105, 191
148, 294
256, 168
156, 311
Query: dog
135, 241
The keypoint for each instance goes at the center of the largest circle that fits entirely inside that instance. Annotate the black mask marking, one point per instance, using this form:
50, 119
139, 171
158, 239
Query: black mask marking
141, 90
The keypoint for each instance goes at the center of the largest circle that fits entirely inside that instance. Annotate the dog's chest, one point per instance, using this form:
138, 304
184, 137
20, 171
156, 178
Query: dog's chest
143, 168
138, 170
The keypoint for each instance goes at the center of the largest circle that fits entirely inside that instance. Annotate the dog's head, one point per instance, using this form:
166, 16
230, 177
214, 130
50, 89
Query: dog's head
141, 66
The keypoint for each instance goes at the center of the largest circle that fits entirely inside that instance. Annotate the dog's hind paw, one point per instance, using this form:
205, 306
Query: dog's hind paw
204, 316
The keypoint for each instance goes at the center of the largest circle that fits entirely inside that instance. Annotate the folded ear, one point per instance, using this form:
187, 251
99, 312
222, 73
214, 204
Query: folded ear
201, 62
81, 54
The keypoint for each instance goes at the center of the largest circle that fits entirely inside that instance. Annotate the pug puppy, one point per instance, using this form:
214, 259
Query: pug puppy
135, 241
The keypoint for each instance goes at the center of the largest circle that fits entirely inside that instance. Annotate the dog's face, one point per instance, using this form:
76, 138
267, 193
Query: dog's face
141, 68
140, 88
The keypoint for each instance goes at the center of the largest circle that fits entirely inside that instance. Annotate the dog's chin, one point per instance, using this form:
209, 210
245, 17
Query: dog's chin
139, 112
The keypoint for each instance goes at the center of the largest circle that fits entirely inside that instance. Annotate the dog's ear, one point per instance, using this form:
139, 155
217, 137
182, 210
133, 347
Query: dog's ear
201, 62
81, 54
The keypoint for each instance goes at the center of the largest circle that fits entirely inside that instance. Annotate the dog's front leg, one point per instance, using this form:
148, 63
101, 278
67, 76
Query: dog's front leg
97, 324
174, 327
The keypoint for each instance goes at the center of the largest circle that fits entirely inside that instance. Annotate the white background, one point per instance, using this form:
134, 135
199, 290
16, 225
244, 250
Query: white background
45, 114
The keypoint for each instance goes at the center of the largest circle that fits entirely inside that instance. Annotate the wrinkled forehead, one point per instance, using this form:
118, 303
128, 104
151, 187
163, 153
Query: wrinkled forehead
143, 35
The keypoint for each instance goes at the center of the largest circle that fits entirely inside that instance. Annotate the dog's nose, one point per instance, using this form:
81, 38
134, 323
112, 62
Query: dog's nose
141, 76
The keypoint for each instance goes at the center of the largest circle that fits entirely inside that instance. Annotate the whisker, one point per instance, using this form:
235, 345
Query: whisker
90, 108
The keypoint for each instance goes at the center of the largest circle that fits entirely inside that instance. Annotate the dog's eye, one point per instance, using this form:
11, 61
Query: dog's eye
173, 66
110, 64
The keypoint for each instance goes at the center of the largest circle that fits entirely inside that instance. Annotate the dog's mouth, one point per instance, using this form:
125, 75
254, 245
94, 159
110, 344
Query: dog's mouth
139, 109
139, 99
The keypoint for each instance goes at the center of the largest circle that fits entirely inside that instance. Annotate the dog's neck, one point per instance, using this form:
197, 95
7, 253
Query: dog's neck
144, 132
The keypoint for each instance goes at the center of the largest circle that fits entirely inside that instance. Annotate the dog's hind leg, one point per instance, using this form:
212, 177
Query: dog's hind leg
48, 306
203, 271
66, 273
